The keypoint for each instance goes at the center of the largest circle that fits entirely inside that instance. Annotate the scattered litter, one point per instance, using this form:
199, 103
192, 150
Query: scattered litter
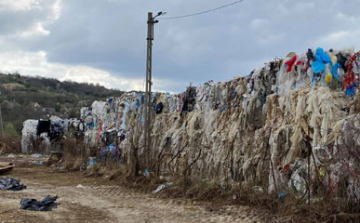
47, 204
223, 185
38, 155
146, 173
80, 186
91, 162
61, 168
314, 200
282, 195
39, 163
234, 197
11, 156
258, 188
160, 187
7, 183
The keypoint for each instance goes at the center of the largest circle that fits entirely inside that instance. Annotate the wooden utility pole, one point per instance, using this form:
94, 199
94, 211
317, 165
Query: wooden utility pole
147, 125
147, 122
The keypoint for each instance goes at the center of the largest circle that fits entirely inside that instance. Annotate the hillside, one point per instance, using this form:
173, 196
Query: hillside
23, 97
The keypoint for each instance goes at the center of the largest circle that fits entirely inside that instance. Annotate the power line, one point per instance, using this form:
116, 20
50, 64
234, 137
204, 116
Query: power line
203, 12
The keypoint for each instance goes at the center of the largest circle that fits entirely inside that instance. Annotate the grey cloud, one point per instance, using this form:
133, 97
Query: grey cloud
17, 21
110, 35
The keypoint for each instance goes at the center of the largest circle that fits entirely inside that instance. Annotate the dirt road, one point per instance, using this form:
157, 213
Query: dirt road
97, 200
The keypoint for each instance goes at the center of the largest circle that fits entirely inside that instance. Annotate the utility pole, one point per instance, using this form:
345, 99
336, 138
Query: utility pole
147, 125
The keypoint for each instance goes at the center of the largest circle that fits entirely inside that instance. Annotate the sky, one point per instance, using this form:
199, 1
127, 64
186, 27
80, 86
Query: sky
104, 41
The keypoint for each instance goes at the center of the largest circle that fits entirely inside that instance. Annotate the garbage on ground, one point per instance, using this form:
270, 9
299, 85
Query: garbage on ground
146, 173
80, 186
47, 204
282, 195
160, 187
223, 185
61, 168
39, 163
38, 155
91, 162
11, 156
7, 183
258, 188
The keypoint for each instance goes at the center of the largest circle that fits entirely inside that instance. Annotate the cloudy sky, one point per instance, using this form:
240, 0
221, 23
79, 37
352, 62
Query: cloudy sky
104, 41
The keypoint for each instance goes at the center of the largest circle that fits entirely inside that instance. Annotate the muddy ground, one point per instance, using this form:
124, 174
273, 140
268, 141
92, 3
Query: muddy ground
90, 199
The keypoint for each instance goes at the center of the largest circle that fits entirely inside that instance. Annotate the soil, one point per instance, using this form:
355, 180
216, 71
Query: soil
96, 199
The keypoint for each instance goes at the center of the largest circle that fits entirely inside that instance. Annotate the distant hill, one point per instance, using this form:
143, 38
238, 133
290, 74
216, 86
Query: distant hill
23, 97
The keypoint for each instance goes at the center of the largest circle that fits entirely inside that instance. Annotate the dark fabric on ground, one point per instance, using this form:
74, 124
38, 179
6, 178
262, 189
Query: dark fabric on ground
7, 183
47, 204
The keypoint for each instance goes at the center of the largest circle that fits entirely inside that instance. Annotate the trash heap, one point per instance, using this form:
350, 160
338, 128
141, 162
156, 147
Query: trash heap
43, 134
251, 129
282, 125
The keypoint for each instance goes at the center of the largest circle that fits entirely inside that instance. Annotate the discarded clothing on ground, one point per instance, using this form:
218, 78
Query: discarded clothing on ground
7, 183
47, 204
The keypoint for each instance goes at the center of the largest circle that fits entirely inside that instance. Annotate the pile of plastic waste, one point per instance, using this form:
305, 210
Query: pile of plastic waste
253, 128
45, 132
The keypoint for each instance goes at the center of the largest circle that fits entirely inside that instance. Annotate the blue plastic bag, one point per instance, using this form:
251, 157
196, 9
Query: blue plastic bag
322, 59
350, 91
334, 70
146, 173
282, 195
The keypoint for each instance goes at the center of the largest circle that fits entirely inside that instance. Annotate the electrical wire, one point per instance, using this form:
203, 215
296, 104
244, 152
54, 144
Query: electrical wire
203, 12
